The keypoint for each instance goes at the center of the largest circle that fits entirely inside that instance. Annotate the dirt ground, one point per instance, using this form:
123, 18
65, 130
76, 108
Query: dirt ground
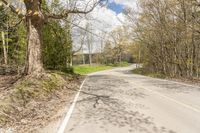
38, 112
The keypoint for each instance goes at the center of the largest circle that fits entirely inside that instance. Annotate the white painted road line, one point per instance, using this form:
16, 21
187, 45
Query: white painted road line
69, 113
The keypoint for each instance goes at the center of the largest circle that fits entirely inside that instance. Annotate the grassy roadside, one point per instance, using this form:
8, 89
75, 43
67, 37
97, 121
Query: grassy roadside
87, 69
143, 71
122, 64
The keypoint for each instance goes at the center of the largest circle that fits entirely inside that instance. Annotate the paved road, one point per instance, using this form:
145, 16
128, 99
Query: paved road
116, 101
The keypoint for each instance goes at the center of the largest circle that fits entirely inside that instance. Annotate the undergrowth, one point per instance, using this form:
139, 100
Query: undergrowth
146, 72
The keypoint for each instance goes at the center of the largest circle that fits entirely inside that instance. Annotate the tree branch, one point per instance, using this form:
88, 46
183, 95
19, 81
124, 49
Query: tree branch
74, 11
82, 42
16, 24
13, 9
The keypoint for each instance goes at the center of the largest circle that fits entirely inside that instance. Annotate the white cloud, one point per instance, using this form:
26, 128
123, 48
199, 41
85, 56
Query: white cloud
128, 3
103, 19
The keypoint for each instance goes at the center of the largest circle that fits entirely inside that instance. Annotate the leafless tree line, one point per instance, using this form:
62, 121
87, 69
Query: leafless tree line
168, 32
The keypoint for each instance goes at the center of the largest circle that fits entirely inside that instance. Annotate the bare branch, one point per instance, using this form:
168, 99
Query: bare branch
16, 24
65, 13
82, 42
13, 9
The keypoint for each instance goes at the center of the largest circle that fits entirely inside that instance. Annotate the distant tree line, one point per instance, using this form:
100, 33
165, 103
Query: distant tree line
114, 49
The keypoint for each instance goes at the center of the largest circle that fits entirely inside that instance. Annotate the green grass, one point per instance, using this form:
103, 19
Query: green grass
87, 69
122, 64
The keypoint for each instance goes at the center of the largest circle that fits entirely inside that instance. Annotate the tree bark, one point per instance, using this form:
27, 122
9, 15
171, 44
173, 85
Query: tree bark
35, 23
34, 63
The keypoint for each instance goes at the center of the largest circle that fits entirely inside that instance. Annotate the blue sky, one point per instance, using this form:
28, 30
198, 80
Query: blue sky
118, 8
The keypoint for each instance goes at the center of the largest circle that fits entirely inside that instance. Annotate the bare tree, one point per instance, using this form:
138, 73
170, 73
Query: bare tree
89, 44
83, 35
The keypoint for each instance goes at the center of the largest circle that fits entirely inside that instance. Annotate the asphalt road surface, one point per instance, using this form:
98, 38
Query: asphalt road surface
116, 101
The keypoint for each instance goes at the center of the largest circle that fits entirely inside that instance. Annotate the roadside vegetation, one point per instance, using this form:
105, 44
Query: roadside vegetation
87, 69
166, 37
146, 72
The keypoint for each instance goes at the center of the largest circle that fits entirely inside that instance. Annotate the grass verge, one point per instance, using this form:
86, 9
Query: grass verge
87, 69
122, 64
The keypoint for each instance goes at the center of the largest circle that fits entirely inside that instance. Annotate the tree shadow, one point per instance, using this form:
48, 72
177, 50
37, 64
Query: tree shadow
171, 86
99, 105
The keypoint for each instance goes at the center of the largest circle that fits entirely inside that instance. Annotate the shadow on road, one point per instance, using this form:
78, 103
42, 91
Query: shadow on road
102, 102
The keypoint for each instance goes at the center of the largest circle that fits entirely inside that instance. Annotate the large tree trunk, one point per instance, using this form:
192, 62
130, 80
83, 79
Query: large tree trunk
34, 63
35, 22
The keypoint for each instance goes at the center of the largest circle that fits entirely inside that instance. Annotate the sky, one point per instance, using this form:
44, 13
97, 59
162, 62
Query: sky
117, 8
104, 19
